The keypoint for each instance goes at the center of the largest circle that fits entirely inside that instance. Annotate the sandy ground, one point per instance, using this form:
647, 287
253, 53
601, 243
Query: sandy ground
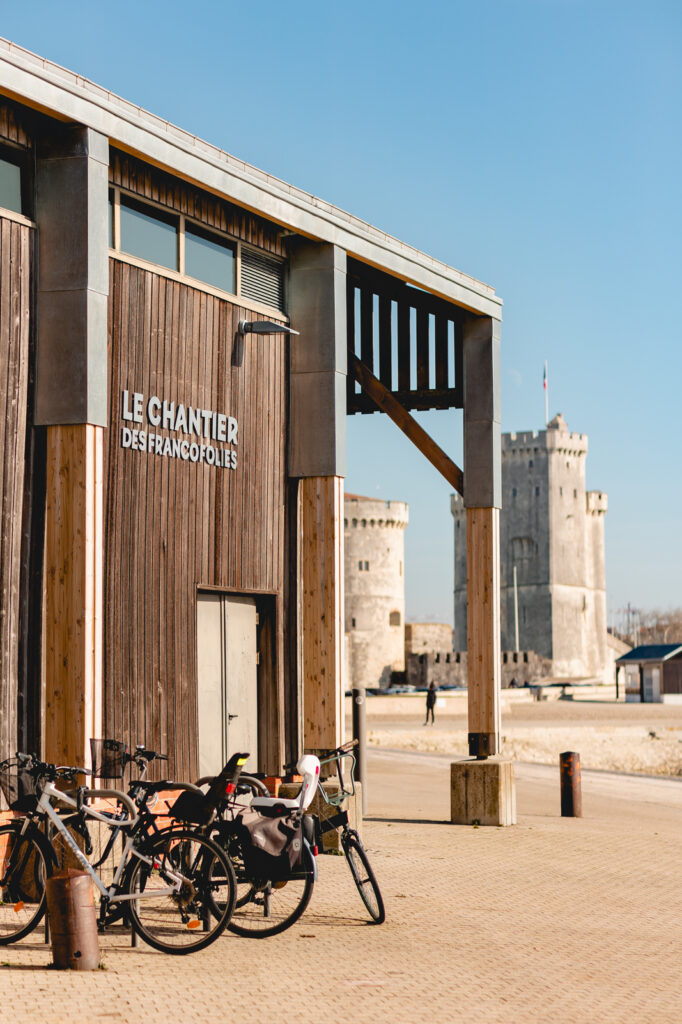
608, 734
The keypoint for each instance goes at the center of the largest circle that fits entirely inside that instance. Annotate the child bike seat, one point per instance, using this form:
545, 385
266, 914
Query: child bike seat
273, 806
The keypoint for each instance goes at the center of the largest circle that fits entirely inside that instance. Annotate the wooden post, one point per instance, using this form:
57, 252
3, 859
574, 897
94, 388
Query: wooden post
321, 603
483, 630
571, 786
73, 592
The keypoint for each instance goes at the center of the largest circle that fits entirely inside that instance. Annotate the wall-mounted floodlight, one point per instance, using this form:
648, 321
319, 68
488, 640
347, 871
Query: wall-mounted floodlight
263, 327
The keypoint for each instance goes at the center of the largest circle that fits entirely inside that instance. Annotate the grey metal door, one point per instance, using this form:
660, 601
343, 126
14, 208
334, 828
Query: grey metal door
652, 683
227, 679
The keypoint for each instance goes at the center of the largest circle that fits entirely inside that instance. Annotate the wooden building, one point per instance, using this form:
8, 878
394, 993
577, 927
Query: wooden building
653, 673
171, 471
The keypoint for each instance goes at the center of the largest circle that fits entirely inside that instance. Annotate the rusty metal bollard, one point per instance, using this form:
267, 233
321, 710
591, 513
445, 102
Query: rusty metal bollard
571, 791
73, 921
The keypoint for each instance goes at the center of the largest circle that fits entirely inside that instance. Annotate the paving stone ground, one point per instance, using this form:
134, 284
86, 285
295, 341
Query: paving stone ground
553, 919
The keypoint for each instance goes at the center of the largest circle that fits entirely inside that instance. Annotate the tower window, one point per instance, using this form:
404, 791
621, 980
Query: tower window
537, 491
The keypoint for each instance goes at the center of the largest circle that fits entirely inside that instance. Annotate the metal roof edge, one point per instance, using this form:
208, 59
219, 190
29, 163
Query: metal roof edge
673, 651
49, 87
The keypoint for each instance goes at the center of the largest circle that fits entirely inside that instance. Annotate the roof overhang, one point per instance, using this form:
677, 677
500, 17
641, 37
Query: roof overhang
632, 658
40, 84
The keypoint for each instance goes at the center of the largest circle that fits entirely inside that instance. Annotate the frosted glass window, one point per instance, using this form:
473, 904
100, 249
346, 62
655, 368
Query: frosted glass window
149, 234
210, 258
10, 186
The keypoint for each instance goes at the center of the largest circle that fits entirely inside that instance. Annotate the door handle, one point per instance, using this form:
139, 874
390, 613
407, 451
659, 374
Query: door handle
230, 717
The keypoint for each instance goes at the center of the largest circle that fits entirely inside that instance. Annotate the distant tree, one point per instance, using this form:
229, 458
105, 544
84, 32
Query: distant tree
660, 627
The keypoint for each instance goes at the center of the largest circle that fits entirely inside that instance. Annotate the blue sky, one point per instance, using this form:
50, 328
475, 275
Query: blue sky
534, 144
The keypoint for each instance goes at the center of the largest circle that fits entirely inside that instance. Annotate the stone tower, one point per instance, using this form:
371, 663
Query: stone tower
552, 531
374, 580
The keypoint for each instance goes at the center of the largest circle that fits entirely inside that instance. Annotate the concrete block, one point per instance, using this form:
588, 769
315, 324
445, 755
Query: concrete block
317, 308
317, 438
482, 792
323, 810
482, 465
482, 413
73, 277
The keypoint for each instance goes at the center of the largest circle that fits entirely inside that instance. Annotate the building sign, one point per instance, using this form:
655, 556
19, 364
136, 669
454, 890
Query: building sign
213, 431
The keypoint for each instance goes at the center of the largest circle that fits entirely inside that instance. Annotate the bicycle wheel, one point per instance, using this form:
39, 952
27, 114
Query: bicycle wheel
363, 876
185, 896
25, 863
264, 907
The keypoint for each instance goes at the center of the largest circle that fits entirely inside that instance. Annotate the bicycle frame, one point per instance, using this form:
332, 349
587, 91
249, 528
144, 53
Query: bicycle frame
337, 757
45, 807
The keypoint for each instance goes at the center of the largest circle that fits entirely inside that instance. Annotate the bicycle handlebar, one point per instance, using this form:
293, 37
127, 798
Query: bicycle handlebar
53, 771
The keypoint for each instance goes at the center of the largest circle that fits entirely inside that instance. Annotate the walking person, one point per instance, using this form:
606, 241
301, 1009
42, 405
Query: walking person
430, 703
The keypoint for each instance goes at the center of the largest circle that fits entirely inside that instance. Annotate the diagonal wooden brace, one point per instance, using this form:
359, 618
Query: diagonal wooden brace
386, 402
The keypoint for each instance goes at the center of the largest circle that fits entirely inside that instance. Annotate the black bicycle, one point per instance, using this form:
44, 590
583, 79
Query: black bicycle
351, 843
176, 887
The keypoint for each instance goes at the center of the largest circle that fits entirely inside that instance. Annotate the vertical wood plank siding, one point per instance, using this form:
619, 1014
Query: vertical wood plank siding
15, 252
150, 183
12, 124
173, 526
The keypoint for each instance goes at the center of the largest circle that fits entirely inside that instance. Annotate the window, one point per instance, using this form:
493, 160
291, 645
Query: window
360, 566
537, 491
394, 619
353, 623
149, 233
366, 566
210, 258
10, 184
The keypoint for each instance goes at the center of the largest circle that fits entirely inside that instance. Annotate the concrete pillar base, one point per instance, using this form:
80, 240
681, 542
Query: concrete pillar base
482, 792
330, 841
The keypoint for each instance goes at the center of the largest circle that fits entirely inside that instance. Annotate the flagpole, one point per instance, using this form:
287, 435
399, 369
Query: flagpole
544, 383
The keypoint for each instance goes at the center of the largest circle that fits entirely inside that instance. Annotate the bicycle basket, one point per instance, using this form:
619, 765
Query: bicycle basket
109, 758
18, 786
